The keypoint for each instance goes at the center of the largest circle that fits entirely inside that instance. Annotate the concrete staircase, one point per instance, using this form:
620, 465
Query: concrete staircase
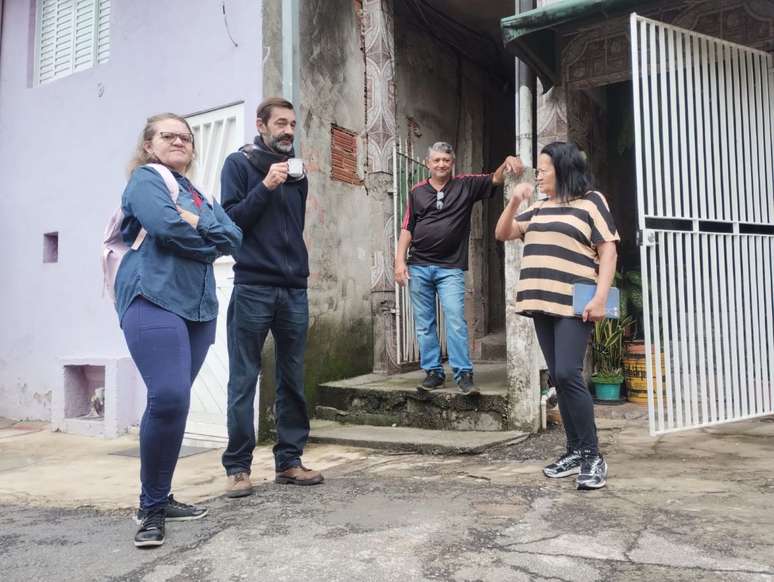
490, 348
389, 412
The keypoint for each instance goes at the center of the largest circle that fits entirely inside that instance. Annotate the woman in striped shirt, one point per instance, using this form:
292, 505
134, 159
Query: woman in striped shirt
568, 238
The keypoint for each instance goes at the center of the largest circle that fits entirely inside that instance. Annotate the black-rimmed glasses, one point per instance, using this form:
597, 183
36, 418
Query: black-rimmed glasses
170, 136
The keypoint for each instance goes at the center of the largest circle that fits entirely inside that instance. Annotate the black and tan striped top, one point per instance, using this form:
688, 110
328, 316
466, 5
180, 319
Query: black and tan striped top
560, 249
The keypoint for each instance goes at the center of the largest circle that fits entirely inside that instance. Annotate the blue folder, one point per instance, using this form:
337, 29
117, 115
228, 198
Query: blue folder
582, 294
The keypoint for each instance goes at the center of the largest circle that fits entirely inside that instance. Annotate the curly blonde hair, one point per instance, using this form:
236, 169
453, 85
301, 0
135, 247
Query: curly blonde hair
141, 157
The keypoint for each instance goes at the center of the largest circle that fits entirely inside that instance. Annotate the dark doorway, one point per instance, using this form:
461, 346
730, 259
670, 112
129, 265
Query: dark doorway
621, 186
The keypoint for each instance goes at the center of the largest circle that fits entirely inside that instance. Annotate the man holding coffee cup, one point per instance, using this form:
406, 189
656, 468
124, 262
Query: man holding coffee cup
264, 190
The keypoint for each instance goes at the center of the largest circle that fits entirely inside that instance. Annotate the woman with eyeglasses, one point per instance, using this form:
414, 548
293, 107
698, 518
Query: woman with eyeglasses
166, 303
568, 238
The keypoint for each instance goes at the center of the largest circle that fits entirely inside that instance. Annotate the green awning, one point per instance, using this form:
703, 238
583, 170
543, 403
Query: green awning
531, 36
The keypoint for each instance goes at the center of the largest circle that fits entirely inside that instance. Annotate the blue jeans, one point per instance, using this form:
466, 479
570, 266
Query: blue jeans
255, 310
424, 282
168, 351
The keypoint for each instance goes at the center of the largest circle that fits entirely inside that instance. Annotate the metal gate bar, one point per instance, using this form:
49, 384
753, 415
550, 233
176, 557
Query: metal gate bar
704, 134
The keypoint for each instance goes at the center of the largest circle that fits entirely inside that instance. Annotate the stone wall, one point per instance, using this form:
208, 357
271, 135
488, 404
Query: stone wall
337, 232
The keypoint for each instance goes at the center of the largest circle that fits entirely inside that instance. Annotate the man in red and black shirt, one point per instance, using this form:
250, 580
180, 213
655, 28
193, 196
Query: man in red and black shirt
436, 229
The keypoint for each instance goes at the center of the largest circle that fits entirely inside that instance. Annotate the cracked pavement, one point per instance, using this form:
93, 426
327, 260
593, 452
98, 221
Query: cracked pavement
689, 506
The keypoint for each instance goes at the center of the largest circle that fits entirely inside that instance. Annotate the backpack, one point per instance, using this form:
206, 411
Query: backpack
113, 246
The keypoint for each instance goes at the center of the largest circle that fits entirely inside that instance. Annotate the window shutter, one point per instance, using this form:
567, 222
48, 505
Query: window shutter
217, 133
47, 40
73, 35
63, 38
103, 32
84, 41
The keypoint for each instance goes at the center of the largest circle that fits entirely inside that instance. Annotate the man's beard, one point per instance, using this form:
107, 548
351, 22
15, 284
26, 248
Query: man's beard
276, 145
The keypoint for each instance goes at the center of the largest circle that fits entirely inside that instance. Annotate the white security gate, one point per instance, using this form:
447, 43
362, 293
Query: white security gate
703, 112
217, 133
406, 172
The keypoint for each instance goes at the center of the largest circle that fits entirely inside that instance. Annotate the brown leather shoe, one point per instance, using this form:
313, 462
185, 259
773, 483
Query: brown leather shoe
239, 485
299, 475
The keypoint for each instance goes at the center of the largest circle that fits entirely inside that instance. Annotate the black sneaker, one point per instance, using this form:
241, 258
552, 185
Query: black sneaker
566, 465
176, 511
593, 472
467, 387
433, 381
151, 532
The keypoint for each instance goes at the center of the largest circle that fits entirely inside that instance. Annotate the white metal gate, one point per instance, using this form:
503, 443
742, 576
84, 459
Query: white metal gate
217, 133
406, 172
705, 196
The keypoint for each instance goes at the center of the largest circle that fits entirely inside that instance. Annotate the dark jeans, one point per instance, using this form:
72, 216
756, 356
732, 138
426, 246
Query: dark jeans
168, 351
253, 312
563, 341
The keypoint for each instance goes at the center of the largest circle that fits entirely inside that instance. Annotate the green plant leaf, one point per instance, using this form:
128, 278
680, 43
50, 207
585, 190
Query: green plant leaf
607, 378
607, 346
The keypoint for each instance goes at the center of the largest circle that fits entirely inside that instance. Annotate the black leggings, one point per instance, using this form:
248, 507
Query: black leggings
564, 341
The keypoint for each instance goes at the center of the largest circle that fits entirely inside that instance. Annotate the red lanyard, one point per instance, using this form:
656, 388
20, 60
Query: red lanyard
197, 199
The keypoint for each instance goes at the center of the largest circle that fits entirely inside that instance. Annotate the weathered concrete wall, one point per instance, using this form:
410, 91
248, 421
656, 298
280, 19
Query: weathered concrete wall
442, 96
337, 233
64, 147
524, 359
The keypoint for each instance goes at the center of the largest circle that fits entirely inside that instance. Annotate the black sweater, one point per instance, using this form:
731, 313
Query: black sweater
273, 251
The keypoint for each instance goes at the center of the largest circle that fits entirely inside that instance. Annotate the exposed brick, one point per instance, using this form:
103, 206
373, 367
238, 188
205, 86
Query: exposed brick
344, 155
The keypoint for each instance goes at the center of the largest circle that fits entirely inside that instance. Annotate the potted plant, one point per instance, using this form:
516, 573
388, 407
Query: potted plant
630, 285
608, 352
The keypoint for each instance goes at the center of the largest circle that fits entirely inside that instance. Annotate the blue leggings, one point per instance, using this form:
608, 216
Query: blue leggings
168, 350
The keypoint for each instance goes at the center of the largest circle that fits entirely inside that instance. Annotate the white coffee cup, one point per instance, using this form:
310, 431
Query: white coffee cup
295, 167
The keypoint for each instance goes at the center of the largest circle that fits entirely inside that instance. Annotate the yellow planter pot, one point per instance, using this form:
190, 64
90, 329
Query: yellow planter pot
635, 372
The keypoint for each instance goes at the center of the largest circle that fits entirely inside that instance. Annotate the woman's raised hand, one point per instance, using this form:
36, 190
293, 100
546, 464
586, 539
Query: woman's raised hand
521, 193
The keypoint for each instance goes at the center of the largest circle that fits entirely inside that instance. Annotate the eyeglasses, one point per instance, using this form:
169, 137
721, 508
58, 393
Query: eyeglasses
439, 199
170, 137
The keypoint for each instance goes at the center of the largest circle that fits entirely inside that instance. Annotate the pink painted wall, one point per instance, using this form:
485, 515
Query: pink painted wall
63, 152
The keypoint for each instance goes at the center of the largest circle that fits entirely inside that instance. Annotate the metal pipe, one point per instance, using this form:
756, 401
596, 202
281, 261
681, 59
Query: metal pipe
525, 103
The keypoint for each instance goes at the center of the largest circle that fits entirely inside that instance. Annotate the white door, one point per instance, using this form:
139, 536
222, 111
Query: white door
705, 191
217, 133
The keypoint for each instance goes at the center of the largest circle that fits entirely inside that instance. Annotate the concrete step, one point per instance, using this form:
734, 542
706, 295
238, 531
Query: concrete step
491, 347
380, 400
436, 442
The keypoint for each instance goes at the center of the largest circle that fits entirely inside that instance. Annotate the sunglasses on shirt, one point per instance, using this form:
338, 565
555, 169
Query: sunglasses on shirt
439, 199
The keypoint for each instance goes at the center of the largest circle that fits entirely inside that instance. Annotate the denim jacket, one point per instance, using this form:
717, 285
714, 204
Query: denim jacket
173, 266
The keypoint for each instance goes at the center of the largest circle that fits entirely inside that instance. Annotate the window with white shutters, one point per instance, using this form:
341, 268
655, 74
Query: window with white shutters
73, 35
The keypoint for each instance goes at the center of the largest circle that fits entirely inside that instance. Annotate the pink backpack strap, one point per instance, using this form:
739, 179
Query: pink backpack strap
169, 179
174, 191
172, 185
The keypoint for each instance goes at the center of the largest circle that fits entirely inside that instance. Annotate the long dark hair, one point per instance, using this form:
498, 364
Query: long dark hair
573, 177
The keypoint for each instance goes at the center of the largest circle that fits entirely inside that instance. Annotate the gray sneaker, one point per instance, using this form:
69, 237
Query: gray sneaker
433, 381
152, 531
467, 387
175, 511
593, 472
566, 465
